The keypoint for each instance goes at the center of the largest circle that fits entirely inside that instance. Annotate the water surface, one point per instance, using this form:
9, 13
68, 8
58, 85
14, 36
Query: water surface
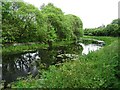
89, 48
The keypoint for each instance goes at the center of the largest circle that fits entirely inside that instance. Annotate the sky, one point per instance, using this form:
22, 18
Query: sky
93, 13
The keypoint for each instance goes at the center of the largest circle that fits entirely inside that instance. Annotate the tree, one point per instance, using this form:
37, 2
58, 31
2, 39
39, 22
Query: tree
21, 22
53, 17
76, 25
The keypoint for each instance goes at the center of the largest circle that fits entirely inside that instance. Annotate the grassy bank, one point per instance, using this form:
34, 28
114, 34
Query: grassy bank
22, 48
108, 40
32, 47
95, 70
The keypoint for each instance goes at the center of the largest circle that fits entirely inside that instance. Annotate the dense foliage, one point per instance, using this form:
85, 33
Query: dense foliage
96, 70
35, 28
112, 29
22, 23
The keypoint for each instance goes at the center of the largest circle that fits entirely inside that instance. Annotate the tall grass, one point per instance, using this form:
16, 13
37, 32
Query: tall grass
95, 70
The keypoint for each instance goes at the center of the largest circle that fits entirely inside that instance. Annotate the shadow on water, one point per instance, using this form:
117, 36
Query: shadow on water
30, 63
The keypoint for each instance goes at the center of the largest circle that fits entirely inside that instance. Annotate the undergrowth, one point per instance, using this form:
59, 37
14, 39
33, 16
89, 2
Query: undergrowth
95, 70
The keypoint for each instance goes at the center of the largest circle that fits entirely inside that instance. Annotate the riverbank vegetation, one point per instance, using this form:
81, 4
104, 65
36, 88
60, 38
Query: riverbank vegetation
108, 39
95, 70
22, 48
26, 28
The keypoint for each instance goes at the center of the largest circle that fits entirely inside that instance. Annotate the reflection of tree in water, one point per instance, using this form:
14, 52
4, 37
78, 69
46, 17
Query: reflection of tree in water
47, 56
67, 52
70, 49
8, 70
19, 66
